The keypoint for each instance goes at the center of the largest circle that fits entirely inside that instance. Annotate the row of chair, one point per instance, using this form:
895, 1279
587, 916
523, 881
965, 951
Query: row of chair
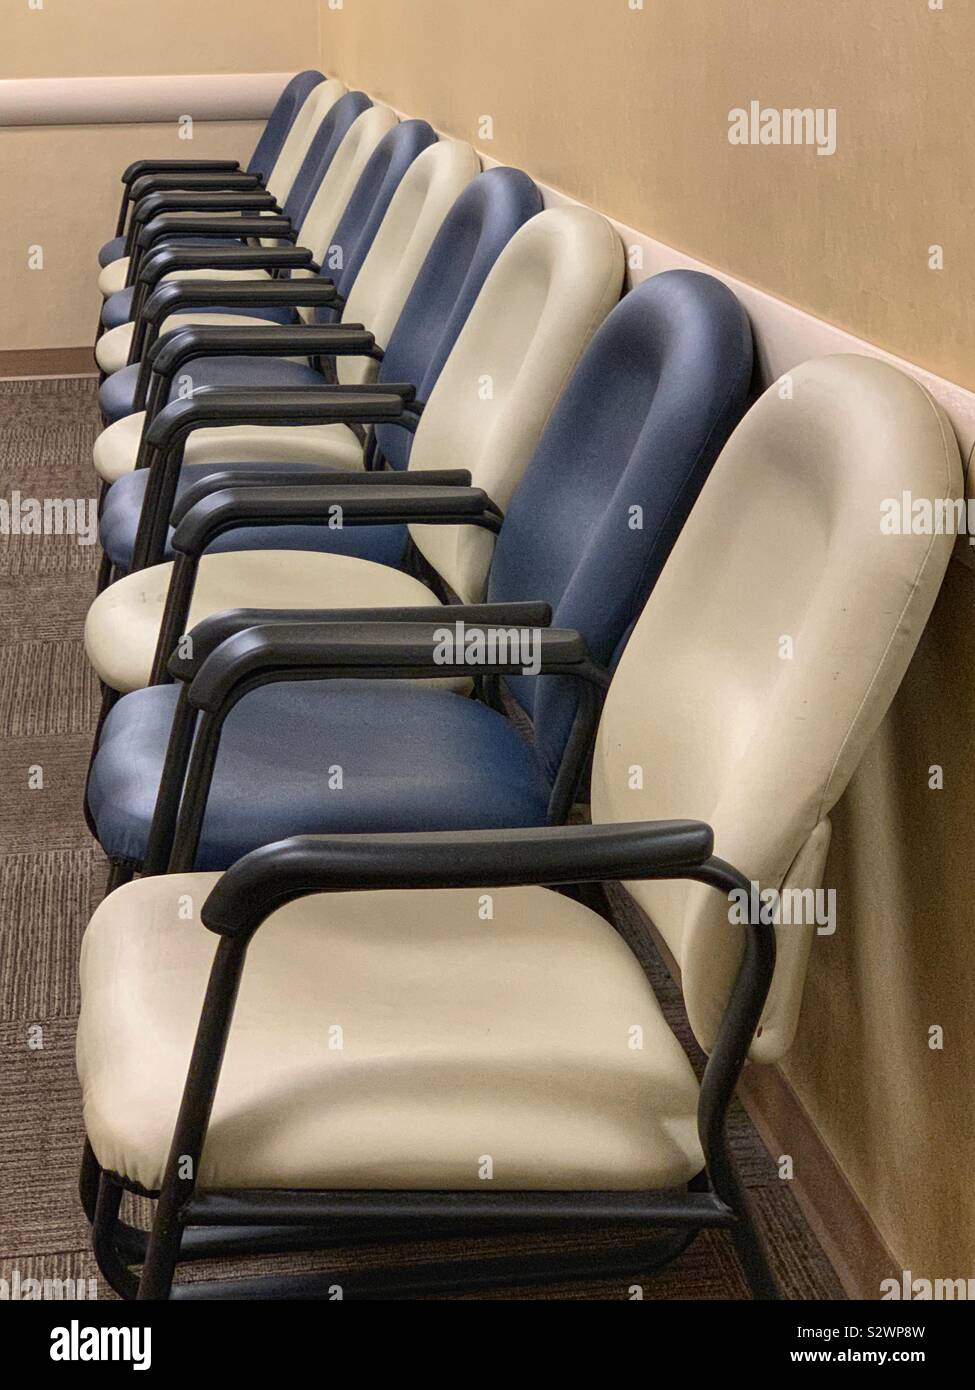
416, 536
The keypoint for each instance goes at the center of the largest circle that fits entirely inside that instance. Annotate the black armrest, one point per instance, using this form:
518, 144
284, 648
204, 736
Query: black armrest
170, 260
369, 505
176, 349
156, 204
174, 296
280, 475
170, 225
209, 408
269, 878
391, 651
193, 181
209, 634
167, 166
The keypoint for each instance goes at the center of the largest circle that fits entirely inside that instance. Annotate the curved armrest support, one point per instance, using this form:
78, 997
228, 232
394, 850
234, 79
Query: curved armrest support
280, 475
175, 296
390, 651
320, 506
140, 167
171, 259
269, 878
192, 181
209, 634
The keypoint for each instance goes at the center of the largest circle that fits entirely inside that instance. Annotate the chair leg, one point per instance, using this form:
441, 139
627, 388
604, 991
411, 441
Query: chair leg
754, 1260
121, 871
88, 1182
119, 1277
105, 570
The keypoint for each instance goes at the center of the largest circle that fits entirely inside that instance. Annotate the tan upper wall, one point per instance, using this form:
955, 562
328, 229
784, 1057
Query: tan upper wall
122, 38
56, 306
628, 111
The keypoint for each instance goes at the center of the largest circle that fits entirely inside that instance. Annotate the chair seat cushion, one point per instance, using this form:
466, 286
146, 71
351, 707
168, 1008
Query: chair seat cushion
335, 446
411, 758
115, 272
117, 308
122, 625
112, 348
116, 395
113, 250
113, 277
460, 1039
119, 522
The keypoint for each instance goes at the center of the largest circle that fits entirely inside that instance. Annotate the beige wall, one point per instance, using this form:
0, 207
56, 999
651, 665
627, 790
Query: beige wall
628, 111
125, 38
67, 177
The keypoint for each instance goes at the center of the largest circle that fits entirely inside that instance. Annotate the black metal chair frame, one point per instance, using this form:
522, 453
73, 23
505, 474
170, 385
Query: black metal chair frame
193, 1223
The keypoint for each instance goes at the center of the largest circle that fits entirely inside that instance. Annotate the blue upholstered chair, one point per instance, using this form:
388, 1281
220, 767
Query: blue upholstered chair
587, 532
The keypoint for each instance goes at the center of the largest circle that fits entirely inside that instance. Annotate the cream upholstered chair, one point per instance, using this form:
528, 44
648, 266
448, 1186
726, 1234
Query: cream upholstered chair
341, 177
550, 289
513, 1066
114, 276
425, 195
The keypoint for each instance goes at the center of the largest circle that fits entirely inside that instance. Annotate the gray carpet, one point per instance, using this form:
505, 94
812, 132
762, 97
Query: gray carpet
51, 875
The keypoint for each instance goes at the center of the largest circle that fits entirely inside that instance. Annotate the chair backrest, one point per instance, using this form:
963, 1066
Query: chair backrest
344, 170
628, 449
364, 212
428, 190
322, 150
550, 289
294, 151
769, 652
281, 119
476, 230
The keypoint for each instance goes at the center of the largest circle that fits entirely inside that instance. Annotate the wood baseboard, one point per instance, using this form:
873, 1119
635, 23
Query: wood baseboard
40, 362
837, 1217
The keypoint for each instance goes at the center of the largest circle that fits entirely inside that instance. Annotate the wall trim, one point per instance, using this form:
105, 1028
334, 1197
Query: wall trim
837, 1217
54, 101
835, 1213
32, 363
786, 336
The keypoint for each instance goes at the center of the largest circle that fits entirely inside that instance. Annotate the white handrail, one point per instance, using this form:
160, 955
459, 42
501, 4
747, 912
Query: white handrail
54, 101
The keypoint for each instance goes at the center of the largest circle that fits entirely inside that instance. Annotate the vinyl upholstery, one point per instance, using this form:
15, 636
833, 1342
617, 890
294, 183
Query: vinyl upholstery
461, 1038
730, 723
